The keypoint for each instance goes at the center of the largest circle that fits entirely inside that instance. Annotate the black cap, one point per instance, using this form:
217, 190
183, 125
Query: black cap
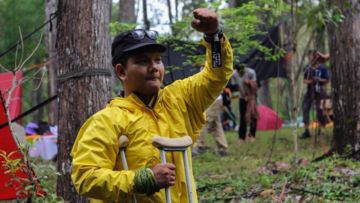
129, 40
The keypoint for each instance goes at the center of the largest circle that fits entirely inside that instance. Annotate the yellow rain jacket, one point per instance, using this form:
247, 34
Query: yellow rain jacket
97, 171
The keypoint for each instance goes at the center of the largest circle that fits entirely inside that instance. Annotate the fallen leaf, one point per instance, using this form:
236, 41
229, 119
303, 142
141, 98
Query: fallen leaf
228, 189
267, 193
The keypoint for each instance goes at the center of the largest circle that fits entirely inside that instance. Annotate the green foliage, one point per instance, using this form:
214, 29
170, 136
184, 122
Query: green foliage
333, 179
245, 22
240, 24
114, 12
46, 174
238, 176
14, 16
182, 29
117, 27
319, 15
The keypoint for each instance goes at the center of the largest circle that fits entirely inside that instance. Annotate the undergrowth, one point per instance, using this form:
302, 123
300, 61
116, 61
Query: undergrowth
248, 174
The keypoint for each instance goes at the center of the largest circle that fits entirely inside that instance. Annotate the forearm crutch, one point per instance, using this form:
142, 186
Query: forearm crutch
175, 145
123, 143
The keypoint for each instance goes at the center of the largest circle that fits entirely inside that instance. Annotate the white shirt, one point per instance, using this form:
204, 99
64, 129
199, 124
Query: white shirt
249, 74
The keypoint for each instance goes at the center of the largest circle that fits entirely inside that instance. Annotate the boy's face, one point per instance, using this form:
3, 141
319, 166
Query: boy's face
143, 74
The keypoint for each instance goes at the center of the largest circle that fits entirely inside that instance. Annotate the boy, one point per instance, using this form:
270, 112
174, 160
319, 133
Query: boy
145, 111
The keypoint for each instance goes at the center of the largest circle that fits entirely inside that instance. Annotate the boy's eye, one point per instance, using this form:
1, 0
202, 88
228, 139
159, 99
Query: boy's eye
158, 60
141, 61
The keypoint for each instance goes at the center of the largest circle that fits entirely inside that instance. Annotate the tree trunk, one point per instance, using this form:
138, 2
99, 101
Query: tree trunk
344, 40
36, 96
289, 45
264, 93
84, 80
127, 11
176, 10
52, 66
146, 20
170, 13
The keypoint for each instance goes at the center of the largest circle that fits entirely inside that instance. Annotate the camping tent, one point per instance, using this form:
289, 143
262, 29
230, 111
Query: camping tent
6, 82
9, 186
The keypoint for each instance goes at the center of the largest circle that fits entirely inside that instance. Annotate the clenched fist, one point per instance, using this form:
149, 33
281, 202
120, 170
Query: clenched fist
205, 21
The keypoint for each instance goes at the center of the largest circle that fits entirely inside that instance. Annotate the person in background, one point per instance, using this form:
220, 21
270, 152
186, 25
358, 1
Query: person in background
213, 125
144, 111
245, 78
316, 76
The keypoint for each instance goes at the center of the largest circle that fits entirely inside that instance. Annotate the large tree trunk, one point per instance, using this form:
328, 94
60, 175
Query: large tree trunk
50, 8
344, 40
127, 11
84, 77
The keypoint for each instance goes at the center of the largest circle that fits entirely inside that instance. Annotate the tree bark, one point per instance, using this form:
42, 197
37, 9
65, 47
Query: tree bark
176, 10
52, 66
344, 43
36, 96
127, 11
264, 93
84, 86
289, 45
146, 20
169, 12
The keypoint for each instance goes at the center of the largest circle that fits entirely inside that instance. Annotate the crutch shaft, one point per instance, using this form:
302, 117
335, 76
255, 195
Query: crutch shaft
123, 159
123, 140
167, 189
187, 175
176, 145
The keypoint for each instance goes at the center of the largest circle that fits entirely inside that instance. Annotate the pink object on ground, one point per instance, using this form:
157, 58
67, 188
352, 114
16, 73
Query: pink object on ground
268, 119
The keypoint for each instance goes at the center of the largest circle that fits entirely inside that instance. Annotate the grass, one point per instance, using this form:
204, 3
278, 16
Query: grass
249, 175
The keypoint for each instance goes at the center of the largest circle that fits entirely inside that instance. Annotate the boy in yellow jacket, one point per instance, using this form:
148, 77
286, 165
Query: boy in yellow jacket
145, 111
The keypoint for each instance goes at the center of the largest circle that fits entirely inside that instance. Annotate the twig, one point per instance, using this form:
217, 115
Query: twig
281, 197
31, 54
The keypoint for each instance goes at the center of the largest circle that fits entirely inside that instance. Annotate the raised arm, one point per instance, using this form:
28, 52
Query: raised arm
199, 91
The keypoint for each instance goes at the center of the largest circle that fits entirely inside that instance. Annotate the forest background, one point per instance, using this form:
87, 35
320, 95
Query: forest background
328, 26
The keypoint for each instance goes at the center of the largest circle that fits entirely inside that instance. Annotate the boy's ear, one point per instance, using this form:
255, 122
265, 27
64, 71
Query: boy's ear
120, 71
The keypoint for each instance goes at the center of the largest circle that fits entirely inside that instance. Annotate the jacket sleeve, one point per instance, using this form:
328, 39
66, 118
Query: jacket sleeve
200, 90
94, 157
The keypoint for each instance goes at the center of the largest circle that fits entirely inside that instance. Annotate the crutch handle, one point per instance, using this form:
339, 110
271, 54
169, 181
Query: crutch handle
180, 142
123, 141
175, 144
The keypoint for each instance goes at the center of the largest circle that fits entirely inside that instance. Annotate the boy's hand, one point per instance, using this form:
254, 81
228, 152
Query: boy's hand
205, 21
164, 174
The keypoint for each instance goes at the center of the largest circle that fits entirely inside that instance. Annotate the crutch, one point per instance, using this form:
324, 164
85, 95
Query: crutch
175, 145
123, 143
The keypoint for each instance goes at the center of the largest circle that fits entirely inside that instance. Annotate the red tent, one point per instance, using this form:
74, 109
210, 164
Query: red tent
268, 119
9, 187
6, 82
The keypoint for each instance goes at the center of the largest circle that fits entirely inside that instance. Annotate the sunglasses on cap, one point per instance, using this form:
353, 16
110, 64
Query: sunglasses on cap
139, 34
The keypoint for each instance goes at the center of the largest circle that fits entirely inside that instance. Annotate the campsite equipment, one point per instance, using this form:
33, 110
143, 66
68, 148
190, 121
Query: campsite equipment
9, 147
123, 143
175, 145
268, 119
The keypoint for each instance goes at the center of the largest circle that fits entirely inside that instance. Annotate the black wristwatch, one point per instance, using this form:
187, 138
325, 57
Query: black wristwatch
214, 36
